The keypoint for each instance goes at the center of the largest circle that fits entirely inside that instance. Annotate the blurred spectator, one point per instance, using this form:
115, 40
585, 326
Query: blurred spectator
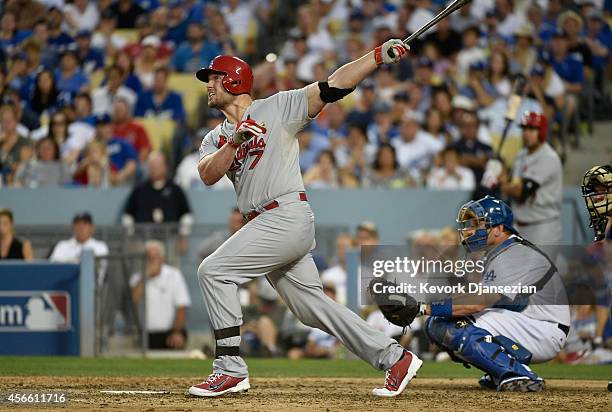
240, 15
524, 55
10, 37
545, 86
69, 78
146, 62
382, 130
323, 174
509, 20
336, 275
471, 52
311, 145
44, 98
385, 171
363, 112
48, 53
478, 87
159, 200
160, 101
446, 39
434, 125
498, 74
166, 302
599, 40
355, 154
122, 155
70, 250
13, 148
106, 38
130, 79
415, 148
569, 68
58, 38
126, 12
104, 96
11, 247
472, 153
196, 51
235, 222
94, 169
45, 169
90, 59
26, 12
82, 15
571, 22
177, 24
125, 128
451, 175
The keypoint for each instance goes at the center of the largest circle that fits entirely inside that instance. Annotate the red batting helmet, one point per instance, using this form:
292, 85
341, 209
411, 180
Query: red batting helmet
238, 76
537, 120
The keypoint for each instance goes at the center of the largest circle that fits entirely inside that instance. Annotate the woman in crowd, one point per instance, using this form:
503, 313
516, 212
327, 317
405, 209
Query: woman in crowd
499, 74
45, 170
94, 169
385, 172
44, 95
324, 174
12, 247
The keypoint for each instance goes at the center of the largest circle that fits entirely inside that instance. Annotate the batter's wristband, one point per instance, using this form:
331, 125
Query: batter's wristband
378, 55
442, 309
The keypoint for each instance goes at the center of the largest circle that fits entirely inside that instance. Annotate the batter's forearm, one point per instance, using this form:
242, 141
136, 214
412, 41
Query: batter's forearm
351, 74
213, 166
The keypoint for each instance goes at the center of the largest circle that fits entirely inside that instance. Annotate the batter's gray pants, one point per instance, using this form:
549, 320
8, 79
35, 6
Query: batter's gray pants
277, 244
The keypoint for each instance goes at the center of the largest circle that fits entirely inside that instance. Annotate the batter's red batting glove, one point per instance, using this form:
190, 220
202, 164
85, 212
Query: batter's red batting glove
245, 131
390, 51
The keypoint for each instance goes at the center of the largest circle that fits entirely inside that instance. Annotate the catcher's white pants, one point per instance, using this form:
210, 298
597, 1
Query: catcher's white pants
277, 244
543, 339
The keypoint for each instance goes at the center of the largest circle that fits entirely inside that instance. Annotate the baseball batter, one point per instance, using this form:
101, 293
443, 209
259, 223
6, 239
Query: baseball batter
499, 333
256, 148
536, 185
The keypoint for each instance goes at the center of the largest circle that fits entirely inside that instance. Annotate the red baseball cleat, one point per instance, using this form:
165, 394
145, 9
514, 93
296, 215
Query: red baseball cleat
399, 375
218, 384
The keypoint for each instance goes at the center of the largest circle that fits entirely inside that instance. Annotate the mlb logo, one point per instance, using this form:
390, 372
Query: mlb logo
34, 311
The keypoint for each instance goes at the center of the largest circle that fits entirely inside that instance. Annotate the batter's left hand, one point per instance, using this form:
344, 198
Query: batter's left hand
390, 51
246, 130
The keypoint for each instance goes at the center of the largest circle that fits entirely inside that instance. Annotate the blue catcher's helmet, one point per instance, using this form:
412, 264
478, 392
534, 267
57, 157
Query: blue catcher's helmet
476, 217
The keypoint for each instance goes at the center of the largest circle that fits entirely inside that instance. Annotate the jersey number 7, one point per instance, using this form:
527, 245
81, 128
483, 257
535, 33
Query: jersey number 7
257, 154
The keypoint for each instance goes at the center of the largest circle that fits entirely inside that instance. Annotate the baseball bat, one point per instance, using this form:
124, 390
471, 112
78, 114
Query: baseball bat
455, 5
514, 102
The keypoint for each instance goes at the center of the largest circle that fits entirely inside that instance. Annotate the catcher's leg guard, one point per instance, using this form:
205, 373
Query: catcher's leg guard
477, 347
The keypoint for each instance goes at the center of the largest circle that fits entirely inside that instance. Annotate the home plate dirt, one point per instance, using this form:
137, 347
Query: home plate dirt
312, 394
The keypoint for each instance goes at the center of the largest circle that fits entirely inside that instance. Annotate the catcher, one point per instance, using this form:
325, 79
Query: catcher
500, 334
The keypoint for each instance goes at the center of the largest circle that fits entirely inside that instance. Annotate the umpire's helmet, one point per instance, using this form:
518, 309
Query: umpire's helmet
597, 193
476, 217
237, 74
536, 120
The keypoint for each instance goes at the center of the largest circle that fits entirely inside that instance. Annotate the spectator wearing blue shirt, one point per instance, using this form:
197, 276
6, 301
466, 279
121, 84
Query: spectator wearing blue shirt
177, 22
9, 36
69, 79
311, 144
91, 59
160, 101
122, 155
58, 38
599, 40
196, 52
478, 88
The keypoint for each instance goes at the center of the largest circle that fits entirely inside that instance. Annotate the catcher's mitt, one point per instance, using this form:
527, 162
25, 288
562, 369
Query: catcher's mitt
399, 309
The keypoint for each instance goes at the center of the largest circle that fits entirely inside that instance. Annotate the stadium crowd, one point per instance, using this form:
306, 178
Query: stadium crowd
79, 79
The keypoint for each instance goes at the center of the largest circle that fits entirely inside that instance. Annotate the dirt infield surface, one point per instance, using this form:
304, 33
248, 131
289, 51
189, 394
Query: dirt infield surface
313, 394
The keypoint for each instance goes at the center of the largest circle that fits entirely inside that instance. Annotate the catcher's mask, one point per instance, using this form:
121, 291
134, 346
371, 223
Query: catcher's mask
597, 194
477, 217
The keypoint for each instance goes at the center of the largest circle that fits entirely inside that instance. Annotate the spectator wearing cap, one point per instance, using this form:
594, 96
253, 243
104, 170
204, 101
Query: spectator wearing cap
451, 175
126, 12
91, 59
478, 87
196, 51
461, 104
70, 250
572, 24
382, 130
472, 153
45, 169
523, 54
470, 53
545, 86
125, 128
104, 96
159, 200
569, 68
12, 247
599, 40
82, 15
58, 38
146, 62
122, 155
69, 78
415, 147
13, 147
166, 299
385, 171
160, 101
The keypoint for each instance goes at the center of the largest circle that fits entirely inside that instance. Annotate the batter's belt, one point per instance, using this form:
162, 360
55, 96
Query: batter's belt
271, 205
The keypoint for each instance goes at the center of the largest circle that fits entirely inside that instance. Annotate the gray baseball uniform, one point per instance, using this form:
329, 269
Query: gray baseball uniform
278, 242
538, 217
535, 325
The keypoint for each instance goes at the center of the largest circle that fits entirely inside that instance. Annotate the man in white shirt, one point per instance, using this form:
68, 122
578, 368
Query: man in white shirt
336, 275
451, 175
70, 250
415, 147
104, 96
167, 299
